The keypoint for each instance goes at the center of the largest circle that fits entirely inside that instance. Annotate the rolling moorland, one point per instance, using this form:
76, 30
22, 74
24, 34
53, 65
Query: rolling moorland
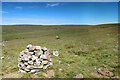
81, 49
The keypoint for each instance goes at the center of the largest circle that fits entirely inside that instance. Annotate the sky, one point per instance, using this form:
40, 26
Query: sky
60, 0
59, 13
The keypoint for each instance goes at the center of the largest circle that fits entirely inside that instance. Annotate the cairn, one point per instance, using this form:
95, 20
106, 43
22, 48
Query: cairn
34, 59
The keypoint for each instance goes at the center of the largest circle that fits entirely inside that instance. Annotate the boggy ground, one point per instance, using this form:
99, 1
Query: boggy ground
81, 49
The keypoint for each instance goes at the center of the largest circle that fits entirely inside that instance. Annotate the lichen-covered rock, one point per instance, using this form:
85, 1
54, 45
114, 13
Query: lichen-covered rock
34, 59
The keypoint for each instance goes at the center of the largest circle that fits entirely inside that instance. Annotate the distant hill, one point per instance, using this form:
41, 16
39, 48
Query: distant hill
107, 25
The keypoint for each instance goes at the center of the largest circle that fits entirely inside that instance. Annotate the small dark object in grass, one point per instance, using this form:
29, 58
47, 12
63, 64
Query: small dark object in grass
79, 52
68, 46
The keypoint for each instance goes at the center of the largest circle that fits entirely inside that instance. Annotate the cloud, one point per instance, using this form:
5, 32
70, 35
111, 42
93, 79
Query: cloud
22, 20
19, 7
3, 12
52, 5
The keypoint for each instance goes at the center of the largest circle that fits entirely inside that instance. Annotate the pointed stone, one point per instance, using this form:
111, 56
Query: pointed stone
30, 62
31, 48
26, 58
28, 46
38, 61
26, 51
34, 57
45, 67
38, 47
26, 69
30, 53
22, 71
41, 66
33, 71
44, 62
48, 57
44, 48
43, 57
29, 67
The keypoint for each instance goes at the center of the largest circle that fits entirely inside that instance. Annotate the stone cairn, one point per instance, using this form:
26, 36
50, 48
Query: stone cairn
34, 59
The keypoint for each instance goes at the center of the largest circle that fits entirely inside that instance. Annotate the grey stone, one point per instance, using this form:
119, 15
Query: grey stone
28, 46
44, 62
46, 66
55, 53
30, 62
33, 71
31, 48
43, 57
44, 48
22, 71
38, 47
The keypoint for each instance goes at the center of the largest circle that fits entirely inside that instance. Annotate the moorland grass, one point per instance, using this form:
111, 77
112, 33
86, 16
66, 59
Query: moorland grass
81, 48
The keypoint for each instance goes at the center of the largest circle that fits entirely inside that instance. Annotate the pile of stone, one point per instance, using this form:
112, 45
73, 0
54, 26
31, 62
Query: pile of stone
34, 59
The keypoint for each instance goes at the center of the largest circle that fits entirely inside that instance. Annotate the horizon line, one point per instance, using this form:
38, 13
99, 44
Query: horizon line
57, 24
